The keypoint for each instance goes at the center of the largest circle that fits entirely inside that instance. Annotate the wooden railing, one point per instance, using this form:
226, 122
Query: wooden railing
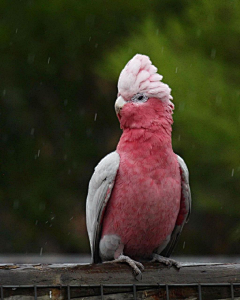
116, 281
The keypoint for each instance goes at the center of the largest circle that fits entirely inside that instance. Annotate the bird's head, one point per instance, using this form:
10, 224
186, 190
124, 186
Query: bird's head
143, 100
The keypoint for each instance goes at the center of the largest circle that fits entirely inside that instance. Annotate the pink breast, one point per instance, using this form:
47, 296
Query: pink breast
144, 204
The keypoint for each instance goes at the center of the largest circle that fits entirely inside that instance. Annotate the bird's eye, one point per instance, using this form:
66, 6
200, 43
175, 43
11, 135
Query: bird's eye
139, 98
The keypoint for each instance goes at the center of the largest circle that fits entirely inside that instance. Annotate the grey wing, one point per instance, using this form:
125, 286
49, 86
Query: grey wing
185, 208
99, 191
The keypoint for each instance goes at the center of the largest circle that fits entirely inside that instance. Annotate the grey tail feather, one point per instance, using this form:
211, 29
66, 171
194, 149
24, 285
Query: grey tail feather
171, 246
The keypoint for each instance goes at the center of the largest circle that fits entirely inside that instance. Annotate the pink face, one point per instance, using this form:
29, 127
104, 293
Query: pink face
140, 111
143, 99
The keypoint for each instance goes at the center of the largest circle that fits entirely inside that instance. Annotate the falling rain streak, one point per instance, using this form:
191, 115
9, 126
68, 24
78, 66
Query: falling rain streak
184, 243
213, 53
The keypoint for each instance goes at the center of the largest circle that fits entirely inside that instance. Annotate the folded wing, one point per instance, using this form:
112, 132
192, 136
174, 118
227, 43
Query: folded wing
99, 192
185, 208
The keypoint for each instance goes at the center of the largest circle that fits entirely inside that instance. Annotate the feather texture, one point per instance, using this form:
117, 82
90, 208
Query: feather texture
99, 192
139, 196
140, 76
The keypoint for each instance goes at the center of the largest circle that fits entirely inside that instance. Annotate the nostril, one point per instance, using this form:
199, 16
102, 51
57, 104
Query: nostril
118, 108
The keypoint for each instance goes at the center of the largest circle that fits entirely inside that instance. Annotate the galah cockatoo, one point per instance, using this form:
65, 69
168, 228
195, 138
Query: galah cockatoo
139, 197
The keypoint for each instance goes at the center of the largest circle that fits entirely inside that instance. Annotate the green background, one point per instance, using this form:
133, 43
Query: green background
60, 61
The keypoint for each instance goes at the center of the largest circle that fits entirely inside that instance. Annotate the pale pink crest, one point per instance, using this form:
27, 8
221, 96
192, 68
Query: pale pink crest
140, 76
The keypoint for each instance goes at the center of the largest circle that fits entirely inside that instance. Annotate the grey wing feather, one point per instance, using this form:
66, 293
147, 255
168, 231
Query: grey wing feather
185, 208
99, 192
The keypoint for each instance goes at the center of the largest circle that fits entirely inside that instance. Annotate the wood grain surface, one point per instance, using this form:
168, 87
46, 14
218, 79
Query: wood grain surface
83, 281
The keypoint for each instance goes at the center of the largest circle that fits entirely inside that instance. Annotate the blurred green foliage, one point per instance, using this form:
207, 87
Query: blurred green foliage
60, 61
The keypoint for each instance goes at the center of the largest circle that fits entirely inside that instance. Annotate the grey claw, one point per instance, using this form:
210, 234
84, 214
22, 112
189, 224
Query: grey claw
140, 266
135, 265
139, 276
166, 261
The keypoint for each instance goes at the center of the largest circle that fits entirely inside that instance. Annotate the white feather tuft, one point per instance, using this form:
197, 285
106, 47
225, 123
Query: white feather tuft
140, 76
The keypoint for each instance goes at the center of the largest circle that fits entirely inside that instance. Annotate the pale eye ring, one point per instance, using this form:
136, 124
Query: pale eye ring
139, 97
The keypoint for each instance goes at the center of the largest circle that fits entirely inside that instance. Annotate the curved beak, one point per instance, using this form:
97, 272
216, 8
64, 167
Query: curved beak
120, 102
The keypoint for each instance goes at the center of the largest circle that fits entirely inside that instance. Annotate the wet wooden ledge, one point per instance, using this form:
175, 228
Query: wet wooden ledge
87, 274
86, 281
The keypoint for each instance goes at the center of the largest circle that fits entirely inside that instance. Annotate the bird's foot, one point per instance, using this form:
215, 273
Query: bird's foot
135, 265
166, 261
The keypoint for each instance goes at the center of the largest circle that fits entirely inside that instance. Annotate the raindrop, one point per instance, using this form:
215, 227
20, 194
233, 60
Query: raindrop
96, 45
181, 106
41, 251
157, 31
95, 117
67, 134
38, 152
71, 219
82, 112
42, 206
162, 49
176, 70
16, 31
52, 218
49, 60
89, 132
90, 20
184, 243
218, 99
179, 137
16, 204
69, 171
65, 157
65, 102
232, 172
199, 31
50, 294
4, 93
36, 222
213, 53
90, 38
31, 58
32, 131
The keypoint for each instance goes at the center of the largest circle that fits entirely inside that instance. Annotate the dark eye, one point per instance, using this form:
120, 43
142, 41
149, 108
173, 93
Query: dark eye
140, 97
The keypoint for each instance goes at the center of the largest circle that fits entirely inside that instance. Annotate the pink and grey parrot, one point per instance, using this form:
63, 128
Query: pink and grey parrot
139, 196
